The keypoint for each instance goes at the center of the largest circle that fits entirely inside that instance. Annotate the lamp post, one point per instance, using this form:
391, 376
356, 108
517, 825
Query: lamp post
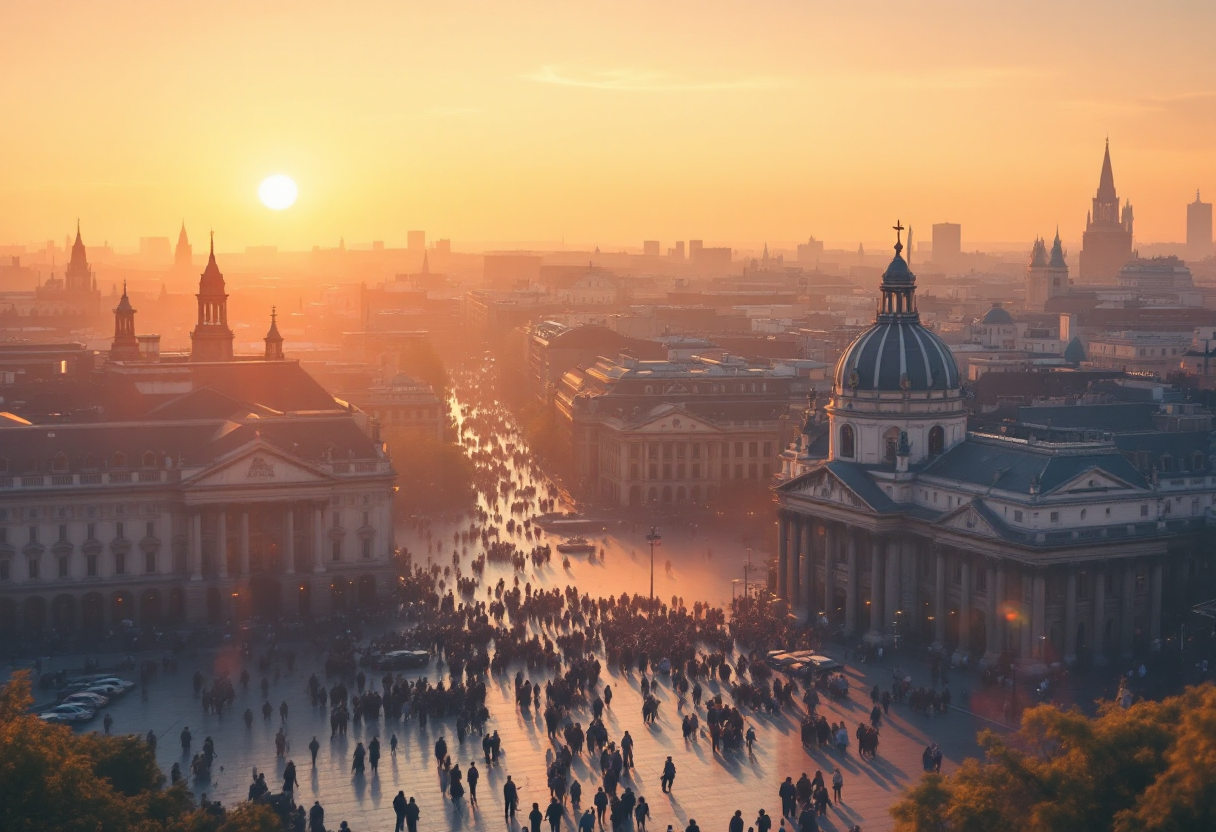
747, 567
654, 539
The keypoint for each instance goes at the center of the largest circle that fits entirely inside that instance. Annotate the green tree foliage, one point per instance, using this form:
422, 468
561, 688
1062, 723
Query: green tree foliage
51, 778
1150, 767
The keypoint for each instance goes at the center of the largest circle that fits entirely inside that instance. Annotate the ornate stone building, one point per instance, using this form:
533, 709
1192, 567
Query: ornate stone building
1107, 242
208, 491
985, 545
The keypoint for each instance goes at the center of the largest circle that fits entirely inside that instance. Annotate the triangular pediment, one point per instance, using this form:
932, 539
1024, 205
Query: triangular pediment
671, 419
1095, 479
822, 485
256, 464
969, 519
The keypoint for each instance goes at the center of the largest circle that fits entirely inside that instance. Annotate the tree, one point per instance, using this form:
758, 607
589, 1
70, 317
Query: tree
1150, 767
51, 778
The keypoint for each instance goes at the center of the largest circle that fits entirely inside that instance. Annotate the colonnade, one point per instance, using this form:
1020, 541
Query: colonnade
879, 585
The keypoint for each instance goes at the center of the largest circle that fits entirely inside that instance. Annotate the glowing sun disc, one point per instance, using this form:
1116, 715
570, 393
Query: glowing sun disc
277, 192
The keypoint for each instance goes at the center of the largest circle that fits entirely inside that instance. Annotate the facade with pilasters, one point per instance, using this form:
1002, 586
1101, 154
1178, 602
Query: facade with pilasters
985, 545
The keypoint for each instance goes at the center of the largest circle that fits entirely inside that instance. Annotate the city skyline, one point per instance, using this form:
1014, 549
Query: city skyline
667, 123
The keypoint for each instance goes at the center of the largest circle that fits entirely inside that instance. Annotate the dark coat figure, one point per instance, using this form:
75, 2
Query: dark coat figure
399, 806
535, 817
510, 798
411, 815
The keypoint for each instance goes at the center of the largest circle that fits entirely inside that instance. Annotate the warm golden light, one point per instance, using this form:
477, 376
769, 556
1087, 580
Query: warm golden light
278, 192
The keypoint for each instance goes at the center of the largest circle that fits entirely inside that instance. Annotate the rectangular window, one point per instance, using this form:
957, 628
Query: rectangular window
1082, 586
63, 534
725, 470
366, 515
120, 563
1017, 516
1055, 517
150, 563
768, 449
654, 471
151, 529
91, 530
696, 470
34, 569
751, 471
652, 451
666, 470
680, 471
958, 573
738, 472
666, 450
738, 449
696, 451
981, 580
633, 471
5, 572
33, 534
3, 535
635, 452
681, 450
63, 567
337, 524
90, 563
367, 548
1144, 510
753, 449
118, 531
336, 555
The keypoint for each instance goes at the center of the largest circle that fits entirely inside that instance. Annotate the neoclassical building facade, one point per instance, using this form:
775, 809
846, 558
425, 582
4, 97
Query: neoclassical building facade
983, 545
210, 491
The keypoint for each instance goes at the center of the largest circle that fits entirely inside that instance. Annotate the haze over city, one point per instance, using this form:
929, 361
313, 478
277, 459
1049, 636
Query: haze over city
598, 123
806, 408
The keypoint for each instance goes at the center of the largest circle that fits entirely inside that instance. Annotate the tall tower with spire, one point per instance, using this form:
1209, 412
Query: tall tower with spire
1046, 275
274, 341
183, 255
125, 346
1107, 242
211, 339
78, 277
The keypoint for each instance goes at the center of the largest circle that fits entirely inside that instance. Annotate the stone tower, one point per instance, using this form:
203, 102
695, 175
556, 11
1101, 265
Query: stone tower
211, 339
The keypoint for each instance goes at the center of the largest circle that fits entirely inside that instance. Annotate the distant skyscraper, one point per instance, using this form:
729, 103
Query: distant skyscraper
417, 240
1107, 242
947, 243
650, 248
694, 249
1198, 229
679, 249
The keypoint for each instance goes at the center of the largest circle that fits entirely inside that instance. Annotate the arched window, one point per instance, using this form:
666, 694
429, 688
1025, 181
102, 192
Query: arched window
1167, 462
89, 461
1197, 461
848, 441
60, 462
890, 443
149, 459
937, 440
120, 460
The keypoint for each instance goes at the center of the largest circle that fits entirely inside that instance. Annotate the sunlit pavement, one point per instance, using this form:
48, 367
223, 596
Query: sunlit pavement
708, 787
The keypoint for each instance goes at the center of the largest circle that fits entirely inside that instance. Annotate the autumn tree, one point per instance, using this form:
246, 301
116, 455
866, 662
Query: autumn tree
1150, 767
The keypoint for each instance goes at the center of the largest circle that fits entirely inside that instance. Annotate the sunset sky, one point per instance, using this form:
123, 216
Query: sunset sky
599, 122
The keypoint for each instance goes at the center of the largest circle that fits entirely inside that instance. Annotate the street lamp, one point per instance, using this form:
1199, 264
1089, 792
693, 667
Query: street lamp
747, 567
654, 539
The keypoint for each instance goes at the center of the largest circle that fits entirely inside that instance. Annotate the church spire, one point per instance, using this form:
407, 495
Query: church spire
125, 346
1106, 184
274, 341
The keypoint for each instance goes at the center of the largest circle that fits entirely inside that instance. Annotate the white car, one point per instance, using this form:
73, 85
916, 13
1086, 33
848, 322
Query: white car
69, 713
91, 700
105, 689
104, 680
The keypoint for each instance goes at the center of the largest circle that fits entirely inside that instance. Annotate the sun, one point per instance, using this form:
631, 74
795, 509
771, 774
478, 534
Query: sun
278, 192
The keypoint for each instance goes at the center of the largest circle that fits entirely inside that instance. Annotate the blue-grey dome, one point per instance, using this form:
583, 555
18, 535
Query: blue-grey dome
997, 315
897, 272
892, 350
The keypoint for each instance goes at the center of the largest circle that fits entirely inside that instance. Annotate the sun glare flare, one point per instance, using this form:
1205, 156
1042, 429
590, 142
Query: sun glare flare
278, 192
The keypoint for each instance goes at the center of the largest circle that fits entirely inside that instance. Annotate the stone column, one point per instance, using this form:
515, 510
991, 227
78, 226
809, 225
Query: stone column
831, 540
289, 541
1038, 618
783, 574
1099, 625
244, 550
795, 555
806, 568
939, 599
878, 607
194, 545
1127, 611
996, 603
909, 593
1154, 621
221, 541
964, 608
1070, 617
891, 589
851, 587
318, 538
1025, 612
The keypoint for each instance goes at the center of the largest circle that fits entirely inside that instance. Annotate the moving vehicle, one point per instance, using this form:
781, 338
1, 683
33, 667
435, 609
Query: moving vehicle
575, 546
398, 660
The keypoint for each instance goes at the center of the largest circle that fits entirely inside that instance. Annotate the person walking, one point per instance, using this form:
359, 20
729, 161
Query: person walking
788, 793
314, 747
392, 746
554, 815
837, 785
763, 823
736, 823
357, 761
186, 740
107, 722
601, 805
316, 817
471, 777
399, 805
669, 776
510, 797
627, 750
289, 777
535, 817
640, 814
373, 753
587, 822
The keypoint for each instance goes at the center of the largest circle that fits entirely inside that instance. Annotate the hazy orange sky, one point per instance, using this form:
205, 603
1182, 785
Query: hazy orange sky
599, 122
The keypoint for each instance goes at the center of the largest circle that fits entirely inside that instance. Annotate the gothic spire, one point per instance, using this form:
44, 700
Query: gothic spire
1106, 184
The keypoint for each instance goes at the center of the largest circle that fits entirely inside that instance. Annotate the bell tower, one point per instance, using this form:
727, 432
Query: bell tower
125, 346
211, 339
274, 341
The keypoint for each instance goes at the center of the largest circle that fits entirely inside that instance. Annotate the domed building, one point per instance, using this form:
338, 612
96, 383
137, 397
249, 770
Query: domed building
987, 546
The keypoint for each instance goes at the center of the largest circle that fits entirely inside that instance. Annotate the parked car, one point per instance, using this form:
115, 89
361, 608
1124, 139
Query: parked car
92, 700
106, 689
86, 682
73, 712
399, 660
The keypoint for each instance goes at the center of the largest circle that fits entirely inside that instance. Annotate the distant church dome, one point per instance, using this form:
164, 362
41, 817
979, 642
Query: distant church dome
997, 315
897, 353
